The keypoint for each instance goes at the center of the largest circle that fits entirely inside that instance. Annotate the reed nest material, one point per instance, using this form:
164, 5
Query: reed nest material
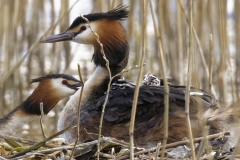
110, 149
215, 58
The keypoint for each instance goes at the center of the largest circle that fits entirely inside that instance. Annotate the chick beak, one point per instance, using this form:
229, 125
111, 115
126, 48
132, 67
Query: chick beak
65, 36
75, 86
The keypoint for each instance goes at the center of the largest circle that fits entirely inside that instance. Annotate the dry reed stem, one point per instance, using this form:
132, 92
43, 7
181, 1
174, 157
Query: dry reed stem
127, 70
180, 143
136, 92
16, 139
79, 109
108, 156
166, 94
12, 143
79, 102
63, 25
40, 121
203, 142
5, 76
114, 3
210, 22
21, 157
179, 41
83, 145
237, 47
131, 19
223, 35
236, 149
40, 144
158, 149
224, 59
2, 151
210, 63
187, 94
21, 140
196, 38
2, 158
109, 84
161, 28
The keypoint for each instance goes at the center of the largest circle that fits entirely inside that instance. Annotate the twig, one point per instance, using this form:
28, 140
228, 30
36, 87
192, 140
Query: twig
41, 116
195, 35
179, 143
73, 149
157, 150
25, 156
236, 149
105, 155
84, 145
136, 92
39, 144
2, 158
90, 133
2, 150
109, 83
33, 47
12, 143
203, 142
80, 99
210, 62
113, 4
46, 151
166, 94
127, 70
189, 75
79, 109
20, 140
198, 43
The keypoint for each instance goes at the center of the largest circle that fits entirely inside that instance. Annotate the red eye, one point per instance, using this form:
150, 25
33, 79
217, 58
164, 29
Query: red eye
83, 28
64, 82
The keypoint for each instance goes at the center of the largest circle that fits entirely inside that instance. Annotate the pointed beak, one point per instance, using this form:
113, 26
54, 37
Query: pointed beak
75, 86
65, 36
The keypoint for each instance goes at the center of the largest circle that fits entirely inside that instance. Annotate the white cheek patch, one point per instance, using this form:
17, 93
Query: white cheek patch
83, 37
60, 89
87, 36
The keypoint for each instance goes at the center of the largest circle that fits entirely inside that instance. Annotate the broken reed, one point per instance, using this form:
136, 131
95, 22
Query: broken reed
22, 27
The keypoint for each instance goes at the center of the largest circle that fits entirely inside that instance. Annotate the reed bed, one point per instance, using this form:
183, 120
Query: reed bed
215, 55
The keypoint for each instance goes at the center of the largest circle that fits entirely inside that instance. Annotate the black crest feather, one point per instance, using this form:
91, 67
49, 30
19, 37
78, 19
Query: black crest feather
51, 76
118, 13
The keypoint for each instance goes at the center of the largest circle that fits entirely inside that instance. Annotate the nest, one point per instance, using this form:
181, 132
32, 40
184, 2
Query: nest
208, 147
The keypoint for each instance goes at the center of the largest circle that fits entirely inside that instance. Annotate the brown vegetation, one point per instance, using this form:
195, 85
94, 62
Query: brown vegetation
215, 61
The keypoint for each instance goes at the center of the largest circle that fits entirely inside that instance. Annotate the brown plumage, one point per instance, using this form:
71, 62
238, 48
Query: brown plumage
51, 89
149, 117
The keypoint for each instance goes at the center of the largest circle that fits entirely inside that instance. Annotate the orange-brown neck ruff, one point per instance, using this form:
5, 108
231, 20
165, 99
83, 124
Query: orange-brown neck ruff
44, 94
113, 37
30, 107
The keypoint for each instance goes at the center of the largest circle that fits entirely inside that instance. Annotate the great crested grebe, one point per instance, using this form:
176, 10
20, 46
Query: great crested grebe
149, 116
50, 90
